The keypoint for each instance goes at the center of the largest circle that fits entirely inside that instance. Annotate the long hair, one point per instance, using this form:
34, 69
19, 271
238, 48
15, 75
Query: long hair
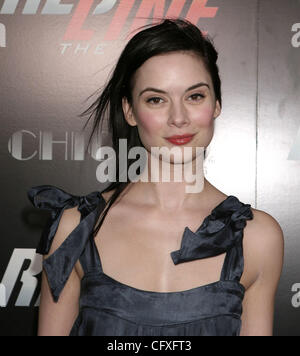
168, 35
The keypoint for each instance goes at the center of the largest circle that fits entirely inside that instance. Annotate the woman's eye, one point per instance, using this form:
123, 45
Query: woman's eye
154, 100
197, 97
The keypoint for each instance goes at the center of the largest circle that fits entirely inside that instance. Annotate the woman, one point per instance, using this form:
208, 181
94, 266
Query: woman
191, 263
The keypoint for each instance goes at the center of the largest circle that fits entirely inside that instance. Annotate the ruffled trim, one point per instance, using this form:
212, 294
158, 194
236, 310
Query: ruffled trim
59, 265
219, 232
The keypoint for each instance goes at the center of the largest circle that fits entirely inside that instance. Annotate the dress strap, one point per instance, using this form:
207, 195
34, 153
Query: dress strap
233, 266
59, 265
220, 232
90, 259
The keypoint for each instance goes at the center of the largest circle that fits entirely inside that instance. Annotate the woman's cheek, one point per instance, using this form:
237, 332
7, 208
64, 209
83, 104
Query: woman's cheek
204, 118
149, 122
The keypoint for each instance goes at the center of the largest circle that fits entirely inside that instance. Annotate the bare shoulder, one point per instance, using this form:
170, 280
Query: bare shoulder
265, 229
107, 195
264, 245
263, 251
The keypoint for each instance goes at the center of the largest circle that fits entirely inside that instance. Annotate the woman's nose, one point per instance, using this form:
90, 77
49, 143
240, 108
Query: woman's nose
178, 115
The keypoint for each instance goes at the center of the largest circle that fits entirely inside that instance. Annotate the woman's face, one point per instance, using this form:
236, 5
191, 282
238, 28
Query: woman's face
173, 95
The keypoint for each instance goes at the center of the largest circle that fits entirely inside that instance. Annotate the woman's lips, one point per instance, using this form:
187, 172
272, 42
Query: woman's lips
180, 140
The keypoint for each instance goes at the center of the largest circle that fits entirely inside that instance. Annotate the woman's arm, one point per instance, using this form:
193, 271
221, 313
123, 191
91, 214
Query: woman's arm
266, 254
57, 319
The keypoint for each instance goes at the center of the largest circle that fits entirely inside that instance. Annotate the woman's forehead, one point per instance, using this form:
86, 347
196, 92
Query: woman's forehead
169, 70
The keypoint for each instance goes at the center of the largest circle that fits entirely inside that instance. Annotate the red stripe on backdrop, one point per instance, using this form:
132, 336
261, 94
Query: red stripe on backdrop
74, 30
119, 19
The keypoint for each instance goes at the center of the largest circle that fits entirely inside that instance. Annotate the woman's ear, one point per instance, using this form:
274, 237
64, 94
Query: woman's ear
128, 113
217, 109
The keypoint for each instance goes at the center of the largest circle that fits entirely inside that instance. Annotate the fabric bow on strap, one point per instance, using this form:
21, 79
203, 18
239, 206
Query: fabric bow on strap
59, 265
219, 231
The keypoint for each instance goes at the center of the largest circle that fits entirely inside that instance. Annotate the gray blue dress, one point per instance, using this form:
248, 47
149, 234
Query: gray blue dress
111, 308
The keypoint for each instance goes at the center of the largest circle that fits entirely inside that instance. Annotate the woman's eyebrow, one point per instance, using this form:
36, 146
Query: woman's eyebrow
201, 84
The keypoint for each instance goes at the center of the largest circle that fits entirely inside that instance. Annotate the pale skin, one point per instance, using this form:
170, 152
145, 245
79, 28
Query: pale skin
138, 253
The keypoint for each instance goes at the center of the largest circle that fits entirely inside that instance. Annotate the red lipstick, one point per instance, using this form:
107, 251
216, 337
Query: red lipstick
180, 139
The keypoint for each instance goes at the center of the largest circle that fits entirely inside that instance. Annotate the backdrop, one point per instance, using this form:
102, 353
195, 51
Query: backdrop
55, 54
